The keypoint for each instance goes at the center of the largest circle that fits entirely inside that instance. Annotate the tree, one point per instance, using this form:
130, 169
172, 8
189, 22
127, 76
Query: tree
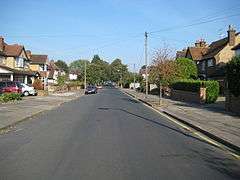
164, 69
118, 70
187, 69
62, 65
96, 59
233, 75
80, 66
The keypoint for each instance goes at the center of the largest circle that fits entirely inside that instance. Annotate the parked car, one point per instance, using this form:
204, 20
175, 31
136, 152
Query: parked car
91, 90
28, 90
10, 87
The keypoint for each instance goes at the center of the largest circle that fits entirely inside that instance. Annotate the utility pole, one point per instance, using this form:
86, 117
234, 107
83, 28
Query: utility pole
134, 79
85, 74
146, 63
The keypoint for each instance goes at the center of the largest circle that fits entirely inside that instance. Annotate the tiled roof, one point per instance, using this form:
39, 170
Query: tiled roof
38, 58
215, 47
197, 52
12, 50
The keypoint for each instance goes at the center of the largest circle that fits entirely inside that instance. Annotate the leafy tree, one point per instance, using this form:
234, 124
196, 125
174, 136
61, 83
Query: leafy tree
96, 59
79, 65
164, 69
62, 65
187, 69
118, 70
233, 75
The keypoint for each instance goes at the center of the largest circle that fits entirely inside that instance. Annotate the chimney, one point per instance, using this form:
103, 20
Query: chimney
28, 52
1, 43
231, 35
203, 43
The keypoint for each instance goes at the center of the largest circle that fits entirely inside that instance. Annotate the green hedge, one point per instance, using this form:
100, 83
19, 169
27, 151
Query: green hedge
233, 75
212, 88
10, 97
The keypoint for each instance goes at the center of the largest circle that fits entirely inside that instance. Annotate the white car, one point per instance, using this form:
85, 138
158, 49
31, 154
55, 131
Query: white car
28, 90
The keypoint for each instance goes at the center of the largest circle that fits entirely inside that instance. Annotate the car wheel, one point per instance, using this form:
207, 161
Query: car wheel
26, 93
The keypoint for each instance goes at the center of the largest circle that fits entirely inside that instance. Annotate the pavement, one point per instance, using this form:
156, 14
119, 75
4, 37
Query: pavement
210, 119
109, 136
14, 112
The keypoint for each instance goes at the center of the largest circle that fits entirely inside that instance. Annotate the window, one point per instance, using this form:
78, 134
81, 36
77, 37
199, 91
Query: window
19, 62
238, 52
210, 63
203, 66
1, 59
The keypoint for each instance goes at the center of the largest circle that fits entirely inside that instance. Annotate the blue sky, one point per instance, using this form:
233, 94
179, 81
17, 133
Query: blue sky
77, 29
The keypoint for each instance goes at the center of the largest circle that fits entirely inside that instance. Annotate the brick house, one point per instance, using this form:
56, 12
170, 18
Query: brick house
54, 72
14, 63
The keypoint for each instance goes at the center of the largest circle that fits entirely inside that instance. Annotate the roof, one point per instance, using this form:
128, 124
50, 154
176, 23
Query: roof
236, 47
15, 71
216, 46
197, 52
38, 59
181, 54
12, 50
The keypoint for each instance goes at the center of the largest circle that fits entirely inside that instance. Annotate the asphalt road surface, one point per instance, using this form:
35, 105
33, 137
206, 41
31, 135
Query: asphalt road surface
109, 136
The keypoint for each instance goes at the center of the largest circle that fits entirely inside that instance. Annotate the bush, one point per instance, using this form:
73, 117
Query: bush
10, 97
37, 84
212, 88
233, 75
212, 91
61, 80
187, 68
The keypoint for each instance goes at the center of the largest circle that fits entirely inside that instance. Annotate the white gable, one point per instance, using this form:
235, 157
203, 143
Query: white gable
5, 71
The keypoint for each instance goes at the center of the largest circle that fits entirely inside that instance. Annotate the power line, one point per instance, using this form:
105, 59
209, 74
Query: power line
193, 24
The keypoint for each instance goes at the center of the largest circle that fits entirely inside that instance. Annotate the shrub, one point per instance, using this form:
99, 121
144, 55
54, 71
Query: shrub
187, 69
37, 84
233, 75
61, 80
10, 97
212, 88
212, 91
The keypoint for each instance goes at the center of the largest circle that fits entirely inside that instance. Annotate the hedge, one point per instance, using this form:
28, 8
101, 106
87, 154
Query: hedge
10, 97
212, 88
233, 75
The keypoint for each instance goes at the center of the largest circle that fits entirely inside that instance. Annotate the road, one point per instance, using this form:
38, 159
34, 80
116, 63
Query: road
109, 136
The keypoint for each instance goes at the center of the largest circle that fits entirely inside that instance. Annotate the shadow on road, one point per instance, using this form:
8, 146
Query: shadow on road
157, 123
224, 165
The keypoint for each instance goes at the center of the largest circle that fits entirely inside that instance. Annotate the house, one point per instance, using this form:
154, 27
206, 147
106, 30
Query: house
181, 54
39, 64
54, 72
218, 54
237, 49
73, 74
14, 63
211, 59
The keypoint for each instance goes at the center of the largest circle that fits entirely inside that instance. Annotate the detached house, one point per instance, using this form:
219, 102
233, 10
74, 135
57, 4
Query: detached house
211, 59
14, 63
39, 64
54, 72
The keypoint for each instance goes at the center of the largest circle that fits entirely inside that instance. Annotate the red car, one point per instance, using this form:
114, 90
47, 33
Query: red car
10, 87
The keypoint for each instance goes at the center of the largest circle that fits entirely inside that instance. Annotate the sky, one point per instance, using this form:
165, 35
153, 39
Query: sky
78, 29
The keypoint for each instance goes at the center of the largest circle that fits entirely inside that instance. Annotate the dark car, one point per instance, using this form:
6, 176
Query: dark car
91, 90
10, 87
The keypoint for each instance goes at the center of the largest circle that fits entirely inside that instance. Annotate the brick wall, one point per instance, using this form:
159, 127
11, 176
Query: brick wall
187, 96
